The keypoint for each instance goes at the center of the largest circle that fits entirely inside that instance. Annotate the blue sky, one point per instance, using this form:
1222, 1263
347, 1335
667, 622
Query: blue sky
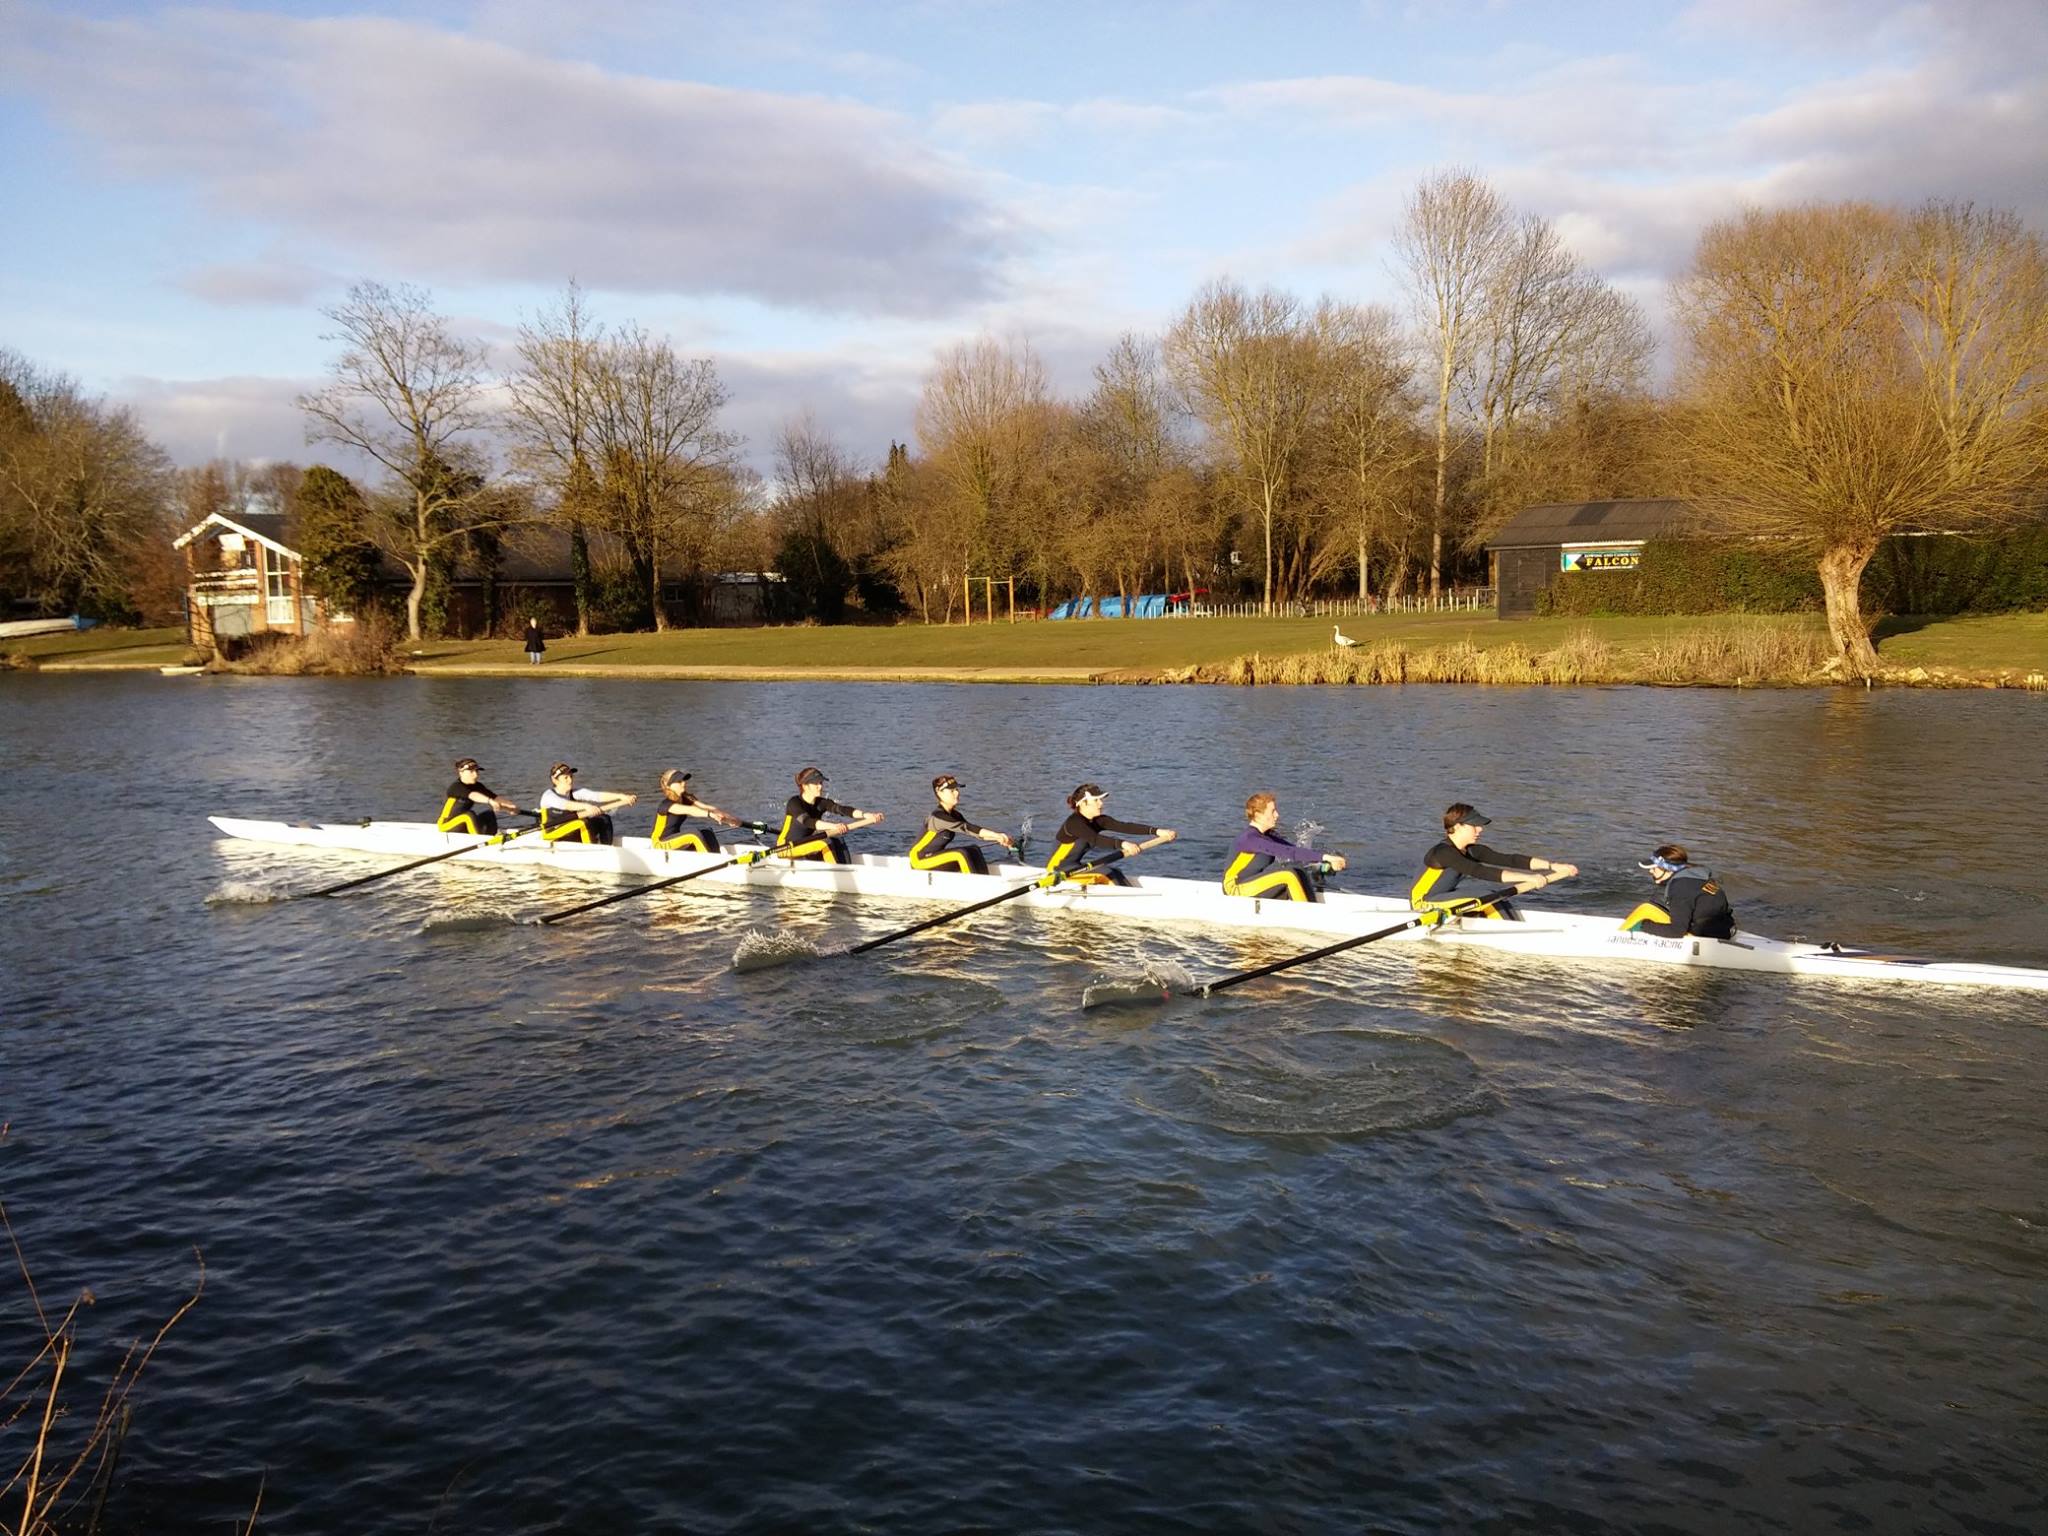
821, 195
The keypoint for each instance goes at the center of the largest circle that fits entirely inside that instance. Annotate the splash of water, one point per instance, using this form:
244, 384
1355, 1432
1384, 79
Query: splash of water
759, 950
1156, 983
252, 893
477, 920
1306, 832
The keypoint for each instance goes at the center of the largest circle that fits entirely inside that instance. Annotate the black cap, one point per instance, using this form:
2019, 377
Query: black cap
811, 776
945, 781
674, 776
469, 762
1474, 819
559, 769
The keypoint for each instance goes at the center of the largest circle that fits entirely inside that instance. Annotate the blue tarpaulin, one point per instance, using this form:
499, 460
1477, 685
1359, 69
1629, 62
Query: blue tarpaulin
1153, 605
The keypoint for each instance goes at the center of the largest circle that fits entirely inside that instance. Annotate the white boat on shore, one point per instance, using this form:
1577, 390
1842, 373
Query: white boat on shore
1564, 936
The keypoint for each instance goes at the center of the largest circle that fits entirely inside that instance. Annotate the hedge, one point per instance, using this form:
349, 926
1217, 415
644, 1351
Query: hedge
1939, 574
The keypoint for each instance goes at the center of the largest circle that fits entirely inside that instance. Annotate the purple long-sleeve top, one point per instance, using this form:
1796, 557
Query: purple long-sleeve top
1273, 846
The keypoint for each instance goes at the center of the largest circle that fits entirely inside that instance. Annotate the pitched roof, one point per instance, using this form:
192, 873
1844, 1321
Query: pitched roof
268, 527
1593, 522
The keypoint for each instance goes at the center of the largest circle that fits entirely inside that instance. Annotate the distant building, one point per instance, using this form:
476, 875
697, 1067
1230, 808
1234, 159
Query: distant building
242, 579
1538, 544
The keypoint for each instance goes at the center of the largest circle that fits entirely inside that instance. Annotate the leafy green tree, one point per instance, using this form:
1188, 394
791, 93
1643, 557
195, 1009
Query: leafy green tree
342, 566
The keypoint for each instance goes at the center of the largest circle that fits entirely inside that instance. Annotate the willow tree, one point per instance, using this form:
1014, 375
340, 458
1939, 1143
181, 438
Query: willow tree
1855, 373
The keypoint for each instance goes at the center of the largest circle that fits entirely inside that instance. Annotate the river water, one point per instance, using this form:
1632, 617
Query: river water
519, 1230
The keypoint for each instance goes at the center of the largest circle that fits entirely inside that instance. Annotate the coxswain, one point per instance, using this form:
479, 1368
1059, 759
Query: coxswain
471, 805
944, 823
1263, 863
806, 834
679, 807
572, 815
1461, 857
1690, 901
1087, 827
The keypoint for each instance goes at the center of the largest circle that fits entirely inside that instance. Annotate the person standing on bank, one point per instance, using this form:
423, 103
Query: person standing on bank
1691, 901
535, 644
1461, 857
572, 815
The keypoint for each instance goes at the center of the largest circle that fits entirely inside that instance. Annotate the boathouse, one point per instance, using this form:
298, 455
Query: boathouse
1538, 544
242, 579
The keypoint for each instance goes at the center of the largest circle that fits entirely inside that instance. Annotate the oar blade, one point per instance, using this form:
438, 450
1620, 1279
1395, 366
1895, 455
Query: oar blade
1156, 984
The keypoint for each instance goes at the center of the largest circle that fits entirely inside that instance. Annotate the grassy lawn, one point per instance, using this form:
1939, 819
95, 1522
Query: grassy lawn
1983, 643
104, 646
1075, 648
1086, 645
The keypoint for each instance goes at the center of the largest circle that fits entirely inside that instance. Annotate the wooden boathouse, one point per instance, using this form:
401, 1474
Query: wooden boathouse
1539, 544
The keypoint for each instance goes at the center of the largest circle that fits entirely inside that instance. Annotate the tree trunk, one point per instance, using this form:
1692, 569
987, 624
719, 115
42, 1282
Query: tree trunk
654, 587
1841, 573
1364, 581
579, 570
1269, 550
412, 600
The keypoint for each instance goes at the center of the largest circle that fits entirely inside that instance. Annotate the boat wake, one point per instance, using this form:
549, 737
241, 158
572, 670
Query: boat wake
760, 951
1335, 1082
480, 920
1157, 982
247, 893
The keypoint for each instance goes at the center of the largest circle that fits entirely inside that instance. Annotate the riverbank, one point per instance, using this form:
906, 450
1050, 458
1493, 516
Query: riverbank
2008, 650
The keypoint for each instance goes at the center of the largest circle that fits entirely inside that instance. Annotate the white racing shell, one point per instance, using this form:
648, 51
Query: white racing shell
1567, 936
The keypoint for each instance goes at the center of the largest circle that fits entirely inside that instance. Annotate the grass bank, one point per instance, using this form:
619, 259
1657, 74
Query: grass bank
1724, 649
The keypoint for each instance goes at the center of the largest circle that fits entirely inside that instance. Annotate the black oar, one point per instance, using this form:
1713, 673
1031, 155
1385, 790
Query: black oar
386, 874
1043, 882
751, 856
1154, 993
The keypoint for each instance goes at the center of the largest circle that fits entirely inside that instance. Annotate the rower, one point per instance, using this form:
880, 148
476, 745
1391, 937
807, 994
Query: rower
1263, 863
944, 823
572, 815
1087, 827
1461, 856
1690, 902
679, 807
806, 834
471, 805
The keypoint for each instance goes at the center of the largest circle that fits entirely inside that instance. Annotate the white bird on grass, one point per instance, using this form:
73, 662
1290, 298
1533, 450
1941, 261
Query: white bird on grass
1343, 639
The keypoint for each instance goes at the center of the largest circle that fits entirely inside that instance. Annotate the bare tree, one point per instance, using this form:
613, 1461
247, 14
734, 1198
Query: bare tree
1248, 366
407, 394
553, 421
1855, 373
666, 465
1455, 235
985, 423
1367, 447
84, 494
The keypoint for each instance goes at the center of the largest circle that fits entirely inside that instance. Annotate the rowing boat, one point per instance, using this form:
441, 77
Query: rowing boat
1567, 936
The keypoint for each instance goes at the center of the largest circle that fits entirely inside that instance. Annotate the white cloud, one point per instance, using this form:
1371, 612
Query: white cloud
440, 157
